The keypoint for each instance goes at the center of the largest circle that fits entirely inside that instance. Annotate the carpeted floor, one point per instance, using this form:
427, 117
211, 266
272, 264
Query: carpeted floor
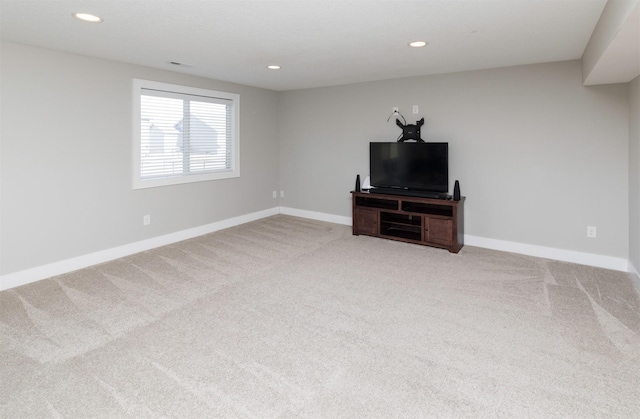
287, 317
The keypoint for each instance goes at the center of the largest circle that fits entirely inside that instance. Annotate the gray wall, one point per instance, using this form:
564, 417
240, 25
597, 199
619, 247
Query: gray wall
539, 156
634, 173
66, 159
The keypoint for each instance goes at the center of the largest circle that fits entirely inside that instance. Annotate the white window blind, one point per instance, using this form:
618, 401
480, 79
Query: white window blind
184, 134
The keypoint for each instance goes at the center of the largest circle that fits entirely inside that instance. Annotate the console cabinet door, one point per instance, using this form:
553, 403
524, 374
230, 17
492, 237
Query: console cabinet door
438, 231
367, 221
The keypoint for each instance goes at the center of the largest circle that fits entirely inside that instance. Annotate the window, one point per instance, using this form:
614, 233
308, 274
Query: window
183, 134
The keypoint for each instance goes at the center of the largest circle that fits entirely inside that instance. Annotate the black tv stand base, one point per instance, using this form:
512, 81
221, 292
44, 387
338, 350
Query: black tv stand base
407, 192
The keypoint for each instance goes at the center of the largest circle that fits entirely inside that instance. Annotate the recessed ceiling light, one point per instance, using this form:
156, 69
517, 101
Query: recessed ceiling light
273, 67
417, 44
87, 17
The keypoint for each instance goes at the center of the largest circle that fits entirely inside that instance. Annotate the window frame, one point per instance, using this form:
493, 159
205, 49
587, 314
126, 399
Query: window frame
140, 183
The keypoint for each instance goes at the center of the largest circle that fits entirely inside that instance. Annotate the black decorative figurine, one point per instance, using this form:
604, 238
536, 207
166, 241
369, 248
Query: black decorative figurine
456, 191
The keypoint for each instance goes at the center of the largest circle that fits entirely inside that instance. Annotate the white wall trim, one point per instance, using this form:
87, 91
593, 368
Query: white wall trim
320, 216
590, 259
28, 276
635, 276
608, 262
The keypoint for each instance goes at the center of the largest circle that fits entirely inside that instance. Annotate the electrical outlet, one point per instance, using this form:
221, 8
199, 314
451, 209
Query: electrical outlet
275, 194
415, 108
146, 220
591, 232
281, 194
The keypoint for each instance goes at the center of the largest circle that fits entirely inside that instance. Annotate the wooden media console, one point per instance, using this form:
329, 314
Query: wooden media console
425, 221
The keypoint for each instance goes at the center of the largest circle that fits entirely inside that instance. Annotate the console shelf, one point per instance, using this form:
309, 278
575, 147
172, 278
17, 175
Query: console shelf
425, 221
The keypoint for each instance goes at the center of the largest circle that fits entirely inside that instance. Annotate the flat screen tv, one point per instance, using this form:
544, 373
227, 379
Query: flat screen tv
409, 167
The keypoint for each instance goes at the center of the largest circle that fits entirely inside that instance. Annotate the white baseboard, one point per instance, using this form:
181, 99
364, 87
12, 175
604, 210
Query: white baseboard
28, 276
320, 216
590, 259
634, 275
46, 271
608, 262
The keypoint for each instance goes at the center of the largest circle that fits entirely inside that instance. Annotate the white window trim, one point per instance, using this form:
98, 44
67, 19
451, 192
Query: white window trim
137, 182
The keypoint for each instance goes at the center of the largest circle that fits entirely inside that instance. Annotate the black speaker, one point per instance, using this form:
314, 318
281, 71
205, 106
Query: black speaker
357, 183
456, 191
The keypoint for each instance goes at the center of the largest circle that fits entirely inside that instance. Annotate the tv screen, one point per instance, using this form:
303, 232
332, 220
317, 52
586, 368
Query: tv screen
411, 166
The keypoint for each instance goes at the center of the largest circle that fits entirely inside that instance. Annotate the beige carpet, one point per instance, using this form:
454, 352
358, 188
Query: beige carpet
286, 317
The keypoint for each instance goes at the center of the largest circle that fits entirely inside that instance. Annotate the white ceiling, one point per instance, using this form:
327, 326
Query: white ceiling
317, 42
